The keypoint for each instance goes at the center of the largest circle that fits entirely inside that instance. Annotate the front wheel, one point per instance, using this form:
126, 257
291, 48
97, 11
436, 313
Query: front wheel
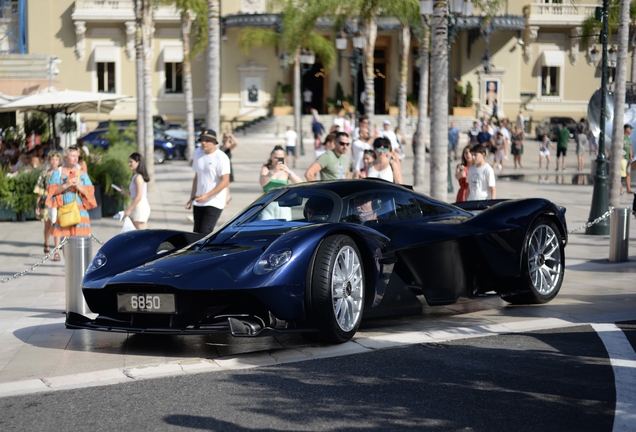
543, 265
160, 156
336, 294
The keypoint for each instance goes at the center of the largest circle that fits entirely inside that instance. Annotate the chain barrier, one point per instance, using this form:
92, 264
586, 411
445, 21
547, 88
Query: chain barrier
45, 259
595, 221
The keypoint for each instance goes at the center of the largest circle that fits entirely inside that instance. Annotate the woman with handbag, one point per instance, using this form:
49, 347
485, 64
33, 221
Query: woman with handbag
70, 191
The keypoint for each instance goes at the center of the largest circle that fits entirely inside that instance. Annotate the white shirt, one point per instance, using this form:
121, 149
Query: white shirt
210, 168
385, 174
340, 122
307, 94
357, 150
290, 138
390, 135
480, 180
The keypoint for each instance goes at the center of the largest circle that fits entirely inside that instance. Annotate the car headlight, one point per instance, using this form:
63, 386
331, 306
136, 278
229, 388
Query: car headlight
271, 261
98, 262
169, 144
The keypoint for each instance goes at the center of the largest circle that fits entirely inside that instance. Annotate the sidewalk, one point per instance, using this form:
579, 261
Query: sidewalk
37, 353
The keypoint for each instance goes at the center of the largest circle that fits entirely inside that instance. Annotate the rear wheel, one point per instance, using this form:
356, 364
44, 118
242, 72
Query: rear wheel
160, 155
336, 294
543, 265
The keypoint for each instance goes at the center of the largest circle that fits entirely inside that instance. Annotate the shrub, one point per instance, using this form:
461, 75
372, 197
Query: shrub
17, 192
468, 96
106, 168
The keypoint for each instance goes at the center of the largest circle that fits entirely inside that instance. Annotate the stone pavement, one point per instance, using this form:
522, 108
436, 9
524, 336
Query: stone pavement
38, 354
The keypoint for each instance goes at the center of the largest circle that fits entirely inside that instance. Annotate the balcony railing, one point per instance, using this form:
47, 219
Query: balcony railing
117, 10
560, 13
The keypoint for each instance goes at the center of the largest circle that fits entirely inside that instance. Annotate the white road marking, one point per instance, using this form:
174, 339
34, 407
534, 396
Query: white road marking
623, 360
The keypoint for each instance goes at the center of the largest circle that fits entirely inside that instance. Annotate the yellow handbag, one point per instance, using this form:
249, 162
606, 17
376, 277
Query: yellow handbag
69, 214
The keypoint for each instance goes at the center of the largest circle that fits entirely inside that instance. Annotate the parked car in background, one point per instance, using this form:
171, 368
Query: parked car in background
550, 126
165, 148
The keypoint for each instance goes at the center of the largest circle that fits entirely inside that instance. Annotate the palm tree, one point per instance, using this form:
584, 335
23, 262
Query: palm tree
139, 54
621, 14
199, 9
408, 12
297, 31
420, 150
149, 141
213, 77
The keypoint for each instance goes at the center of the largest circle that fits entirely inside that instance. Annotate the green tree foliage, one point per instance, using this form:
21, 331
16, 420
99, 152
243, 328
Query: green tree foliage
591, 28
468, 96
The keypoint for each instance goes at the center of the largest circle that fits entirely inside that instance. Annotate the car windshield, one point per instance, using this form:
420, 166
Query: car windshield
295, 207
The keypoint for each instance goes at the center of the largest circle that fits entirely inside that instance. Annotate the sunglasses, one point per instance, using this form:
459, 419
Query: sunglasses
343, 143
382, 149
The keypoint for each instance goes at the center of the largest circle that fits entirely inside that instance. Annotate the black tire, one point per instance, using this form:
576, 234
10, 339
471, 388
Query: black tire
543, 265
336, 290
159, 155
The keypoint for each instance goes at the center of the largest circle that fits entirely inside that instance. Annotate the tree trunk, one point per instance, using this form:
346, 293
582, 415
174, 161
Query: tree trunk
405, 45
186, 27
139, 60
632, 72
419, 151
212, 117
439, 102
148, 125
619, 106
297, 99
369, 70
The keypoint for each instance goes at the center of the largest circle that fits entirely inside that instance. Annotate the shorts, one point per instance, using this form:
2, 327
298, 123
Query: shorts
561, 151
141, 212
452, 146
290, 150
544, 153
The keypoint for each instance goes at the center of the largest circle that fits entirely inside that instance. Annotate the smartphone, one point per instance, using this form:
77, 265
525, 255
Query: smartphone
71, 174
281, 160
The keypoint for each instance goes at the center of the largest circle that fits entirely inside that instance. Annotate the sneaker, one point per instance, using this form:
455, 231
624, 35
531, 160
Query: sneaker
499, 166
190, 218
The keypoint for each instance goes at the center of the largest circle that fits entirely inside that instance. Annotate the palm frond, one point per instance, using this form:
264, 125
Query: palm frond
323, 48
252, 37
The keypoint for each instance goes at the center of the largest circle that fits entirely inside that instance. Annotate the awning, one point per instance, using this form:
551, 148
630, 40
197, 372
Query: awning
173, 54
105, 54
553, 58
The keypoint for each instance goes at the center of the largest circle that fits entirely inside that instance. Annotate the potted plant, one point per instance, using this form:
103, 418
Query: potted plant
466, 101
16, 195
107, 168
281, 107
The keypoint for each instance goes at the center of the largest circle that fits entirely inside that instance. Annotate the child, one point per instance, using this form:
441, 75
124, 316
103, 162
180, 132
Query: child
544, 151
481, 177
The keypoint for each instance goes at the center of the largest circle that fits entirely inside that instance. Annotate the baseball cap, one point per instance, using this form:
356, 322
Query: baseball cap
386, 122
208, 135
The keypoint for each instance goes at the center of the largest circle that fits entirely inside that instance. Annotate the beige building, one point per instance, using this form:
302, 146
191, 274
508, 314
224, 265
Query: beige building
537, 60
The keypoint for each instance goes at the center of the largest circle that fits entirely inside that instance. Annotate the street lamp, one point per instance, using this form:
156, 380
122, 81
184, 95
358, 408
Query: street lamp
594, 55
600, 194
355, 60
307, 60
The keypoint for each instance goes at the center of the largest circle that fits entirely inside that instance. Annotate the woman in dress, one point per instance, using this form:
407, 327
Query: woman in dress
41, 210
139, 209
275, 172
65, 185
517, 146
386, 165
461, 173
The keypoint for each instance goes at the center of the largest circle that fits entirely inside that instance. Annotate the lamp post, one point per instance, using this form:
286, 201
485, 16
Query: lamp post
600, 194
355, 60
307, 60
456, 9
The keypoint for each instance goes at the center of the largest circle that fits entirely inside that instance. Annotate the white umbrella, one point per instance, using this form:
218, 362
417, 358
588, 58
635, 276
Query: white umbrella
52, 101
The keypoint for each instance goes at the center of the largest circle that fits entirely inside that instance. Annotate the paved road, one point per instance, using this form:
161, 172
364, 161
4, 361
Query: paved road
37, 354
559, 380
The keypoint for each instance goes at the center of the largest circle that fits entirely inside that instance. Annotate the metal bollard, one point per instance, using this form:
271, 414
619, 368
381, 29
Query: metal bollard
619, 234
77, 255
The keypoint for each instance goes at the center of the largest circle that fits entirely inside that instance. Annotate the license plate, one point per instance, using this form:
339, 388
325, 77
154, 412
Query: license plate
145, 303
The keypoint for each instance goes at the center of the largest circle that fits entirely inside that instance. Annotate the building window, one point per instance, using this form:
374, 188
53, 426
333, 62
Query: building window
174, 77
550, 81
106, 77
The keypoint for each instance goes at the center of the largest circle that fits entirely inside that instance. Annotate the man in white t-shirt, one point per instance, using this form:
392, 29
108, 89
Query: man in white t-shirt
209, 187
481, 177
291, 137
358, 148
390, 135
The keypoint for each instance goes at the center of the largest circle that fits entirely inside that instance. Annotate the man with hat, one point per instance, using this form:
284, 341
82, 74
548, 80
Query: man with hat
209, 187
390, 135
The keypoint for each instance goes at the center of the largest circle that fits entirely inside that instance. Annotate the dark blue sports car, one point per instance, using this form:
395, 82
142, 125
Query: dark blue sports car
317, 258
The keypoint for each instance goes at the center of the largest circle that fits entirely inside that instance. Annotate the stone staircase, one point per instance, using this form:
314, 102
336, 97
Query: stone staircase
277, 125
